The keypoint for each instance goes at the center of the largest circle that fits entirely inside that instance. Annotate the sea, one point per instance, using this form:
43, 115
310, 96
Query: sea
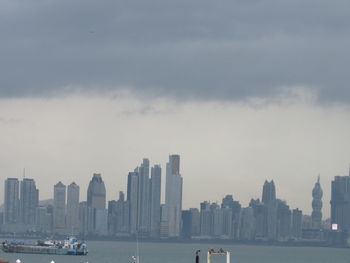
123, 252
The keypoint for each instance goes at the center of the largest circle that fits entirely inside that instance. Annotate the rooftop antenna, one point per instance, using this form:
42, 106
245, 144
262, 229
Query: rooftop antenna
24, 173
349, 169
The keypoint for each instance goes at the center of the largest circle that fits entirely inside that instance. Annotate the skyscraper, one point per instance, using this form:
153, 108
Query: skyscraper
155, 190
132, 197
59, 206
29, 200
73, 208
173, 196
317, 205
11, 201
96, 194
297, 216
269, 192
340, 203
143, 217
270, 215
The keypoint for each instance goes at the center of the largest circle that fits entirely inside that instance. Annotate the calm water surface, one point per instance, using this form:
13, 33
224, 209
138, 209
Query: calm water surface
121, 252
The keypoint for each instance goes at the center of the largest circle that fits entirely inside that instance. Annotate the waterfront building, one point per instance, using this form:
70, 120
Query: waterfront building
217, 225
231, 229
206, 220
270, 202
29, 200
155, 191
44, 219
118, 216
86, 219
259, 210
317, 205
59, 199
143, 209
11, 201
297, 216
173, 196
247, 226
340, 203
284, 218
73, 191
132, 197
195, 222
96, 194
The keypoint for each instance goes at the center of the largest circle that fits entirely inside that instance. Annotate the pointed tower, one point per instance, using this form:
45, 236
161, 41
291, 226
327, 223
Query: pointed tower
316, 215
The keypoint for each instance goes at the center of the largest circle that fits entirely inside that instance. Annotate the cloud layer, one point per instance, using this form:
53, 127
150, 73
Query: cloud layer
198, 49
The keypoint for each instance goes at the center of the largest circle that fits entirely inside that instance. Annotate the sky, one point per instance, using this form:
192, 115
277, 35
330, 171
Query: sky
243, 90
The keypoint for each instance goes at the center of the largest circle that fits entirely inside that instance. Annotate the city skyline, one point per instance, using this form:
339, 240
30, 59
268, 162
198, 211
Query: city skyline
115, 192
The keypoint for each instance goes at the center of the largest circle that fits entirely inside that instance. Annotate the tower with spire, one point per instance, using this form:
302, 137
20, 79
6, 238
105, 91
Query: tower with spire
316, 215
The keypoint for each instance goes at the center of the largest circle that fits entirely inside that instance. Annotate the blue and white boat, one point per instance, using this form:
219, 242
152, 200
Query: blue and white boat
70, 246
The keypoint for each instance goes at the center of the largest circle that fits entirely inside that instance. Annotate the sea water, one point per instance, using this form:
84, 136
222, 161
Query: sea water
122, 252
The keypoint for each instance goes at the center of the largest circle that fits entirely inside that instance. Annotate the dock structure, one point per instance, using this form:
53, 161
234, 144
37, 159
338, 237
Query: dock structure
220, 252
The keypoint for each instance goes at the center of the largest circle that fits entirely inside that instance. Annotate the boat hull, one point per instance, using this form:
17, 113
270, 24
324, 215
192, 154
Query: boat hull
43, 250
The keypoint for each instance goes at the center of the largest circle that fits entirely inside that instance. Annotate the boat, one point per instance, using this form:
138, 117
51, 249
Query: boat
70, 246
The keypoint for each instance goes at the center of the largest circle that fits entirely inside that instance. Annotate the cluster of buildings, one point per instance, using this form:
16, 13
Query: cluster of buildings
141, 212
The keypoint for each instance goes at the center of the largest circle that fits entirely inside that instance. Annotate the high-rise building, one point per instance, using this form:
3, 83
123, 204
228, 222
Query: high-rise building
59, 206
44, 219
73, 208
96, 194
206, 219
155, 190
340, 203
86, 219
269, 192
284, 218
173, 196
297, 216
132, 197
270, 203
143, 211
11, 201
317, 205
247, 229
190, 223
29, 200
118, 216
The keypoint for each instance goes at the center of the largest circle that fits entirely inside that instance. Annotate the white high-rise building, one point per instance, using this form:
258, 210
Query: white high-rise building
73, 208
173, 197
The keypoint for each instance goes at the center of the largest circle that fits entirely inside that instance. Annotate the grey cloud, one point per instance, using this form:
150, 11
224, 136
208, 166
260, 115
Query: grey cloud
198, 49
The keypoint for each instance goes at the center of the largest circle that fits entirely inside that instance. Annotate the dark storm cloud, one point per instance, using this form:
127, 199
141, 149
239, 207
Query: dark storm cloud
200, 49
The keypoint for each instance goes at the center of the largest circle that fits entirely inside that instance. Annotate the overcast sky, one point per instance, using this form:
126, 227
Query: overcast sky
243, 90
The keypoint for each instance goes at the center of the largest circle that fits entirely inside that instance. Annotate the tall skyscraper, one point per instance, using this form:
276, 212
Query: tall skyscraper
29, 200
132, 197
11, 201
96, 194
173, 196
73, 208
317, 205
143, 217
269, 192
340, 203
270, 215
155, 190
59, 206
